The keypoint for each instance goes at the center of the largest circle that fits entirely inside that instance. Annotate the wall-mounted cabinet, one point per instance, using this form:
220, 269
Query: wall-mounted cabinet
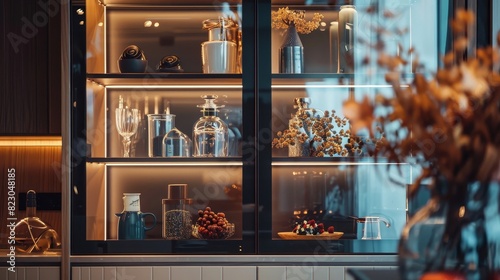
30, 103
263, 191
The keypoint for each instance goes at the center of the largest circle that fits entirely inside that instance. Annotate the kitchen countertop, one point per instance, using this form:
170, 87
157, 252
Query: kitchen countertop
51, 257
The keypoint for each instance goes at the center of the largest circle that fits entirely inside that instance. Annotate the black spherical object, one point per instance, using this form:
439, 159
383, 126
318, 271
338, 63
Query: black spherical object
133, 52
132, 60
170, 63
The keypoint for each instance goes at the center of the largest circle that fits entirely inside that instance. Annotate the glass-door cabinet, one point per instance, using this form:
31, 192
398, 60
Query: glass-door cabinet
161, 128
332, 184
192, 120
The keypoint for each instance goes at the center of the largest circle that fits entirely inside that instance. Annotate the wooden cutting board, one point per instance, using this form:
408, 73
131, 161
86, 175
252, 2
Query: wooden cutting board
324, 236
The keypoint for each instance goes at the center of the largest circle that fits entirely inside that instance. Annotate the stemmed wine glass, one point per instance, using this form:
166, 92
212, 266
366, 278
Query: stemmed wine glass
127, 121
137, 137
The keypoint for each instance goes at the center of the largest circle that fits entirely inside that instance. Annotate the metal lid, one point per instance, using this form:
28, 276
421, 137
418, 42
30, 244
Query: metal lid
177, 193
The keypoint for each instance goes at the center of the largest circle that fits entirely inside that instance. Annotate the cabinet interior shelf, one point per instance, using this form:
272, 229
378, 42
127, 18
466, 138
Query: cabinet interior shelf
333, 80
301, 161
191, 80
226, 161
200, 80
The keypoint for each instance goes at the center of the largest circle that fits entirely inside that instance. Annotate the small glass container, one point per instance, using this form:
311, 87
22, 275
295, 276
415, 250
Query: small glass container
176, 143
177, 223
210, 133
158, 126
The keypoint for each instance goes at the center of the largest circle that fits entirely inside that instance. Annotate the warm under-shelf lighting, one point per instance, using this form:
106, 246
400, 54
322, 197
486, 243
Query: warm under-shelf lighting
333, 163
174, 164
30, 141
309, 86
175, 86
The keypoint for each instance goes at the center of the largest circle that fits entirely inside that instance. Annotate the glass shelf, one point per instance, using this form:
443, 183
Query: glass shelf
229, 161
189, 80
287, 161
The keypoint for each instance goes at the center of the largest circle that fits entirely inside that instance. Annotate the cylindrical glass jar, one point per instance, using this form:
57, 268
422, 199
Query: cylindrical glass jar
176, 218
158, 126
347, 27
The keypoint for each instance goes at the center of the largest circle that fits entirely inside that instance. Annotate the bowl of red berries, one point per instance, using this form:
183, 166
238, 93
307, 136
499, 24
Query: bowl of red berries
212, 225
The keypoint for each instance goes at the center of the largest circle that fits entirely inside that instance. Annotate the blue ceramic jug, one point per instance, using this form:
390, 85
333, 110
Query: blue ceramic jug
131, 225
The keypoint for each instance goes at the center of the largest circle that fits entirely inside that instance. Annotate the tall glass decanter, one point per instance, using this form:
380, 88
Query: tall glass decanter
210, 133
32, 234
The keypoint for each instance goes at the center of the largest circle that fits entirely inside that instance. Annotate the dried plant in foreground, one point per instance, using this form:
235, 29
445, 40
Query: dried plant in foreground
449, 124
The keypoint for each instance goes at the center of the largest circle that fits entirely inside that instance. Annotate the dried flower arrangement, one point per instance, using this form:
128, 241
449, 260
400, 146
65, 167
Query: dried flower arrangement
448, 124
284, 17
320, 136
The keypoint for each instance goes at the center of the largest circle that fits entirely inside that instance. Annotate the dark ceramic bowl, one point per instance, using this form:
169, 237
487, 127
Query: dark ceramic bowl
132, 65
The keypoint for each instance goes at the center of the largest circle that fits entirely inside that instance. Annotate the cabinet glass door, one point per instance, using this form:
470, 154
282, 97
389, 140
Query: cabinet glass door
323, 194
160, 118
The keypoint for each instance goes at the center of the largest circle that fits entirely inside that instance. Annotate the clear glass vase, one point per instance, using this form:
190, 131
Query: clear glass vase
458, 232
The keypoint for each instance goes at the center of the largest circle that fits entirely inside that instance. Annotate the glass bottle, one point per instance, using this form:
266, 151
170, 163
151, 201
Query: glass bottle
176, 143
210, 133
32, 234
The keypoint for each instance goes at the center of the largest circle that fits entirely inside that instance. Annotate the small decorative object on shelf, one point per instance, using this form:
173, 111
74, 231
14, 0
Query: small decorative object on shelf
131, 225
310, 229
371, 229
312, 134
210, 133
127, 122
211, 225
449, 125
132, 60
176, 218
32, 234
291, 52
176, 143
158, 126
347, 27
220, 53
170, 64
